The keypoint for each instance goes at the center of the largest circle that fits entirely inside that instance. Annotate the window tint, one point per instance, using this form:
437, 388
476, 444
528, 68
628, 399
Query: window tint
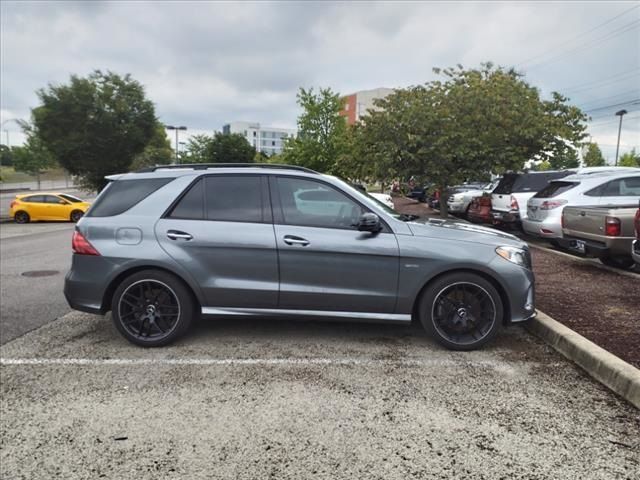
234, 198
70, 198
506, 183
191, 205
623, 187
534, 182
52, 199
555, 188
121, 195
34, 199
309, 203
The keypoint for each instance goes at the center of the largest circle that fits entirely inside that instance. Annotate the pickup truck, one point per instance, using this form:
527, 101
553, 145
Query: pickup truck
605, 232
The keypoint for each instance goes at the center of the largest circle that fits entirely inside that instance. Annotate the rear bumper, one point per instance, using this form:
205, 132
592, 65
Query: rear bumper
456, 207
547, 228
499, 216
86, 283
615, 247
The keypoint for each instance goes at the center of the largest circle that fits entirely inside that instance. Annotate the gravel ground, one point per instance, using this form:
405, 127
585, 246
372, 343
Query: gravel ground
598, 304
311, 400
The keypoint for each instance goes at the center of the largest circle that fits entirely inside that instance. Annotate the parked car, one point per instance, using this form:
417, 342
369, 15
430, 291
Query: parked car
164, 245
459, 201
544, 209
509, 198
384, 198
479, 210
635, 246
434, 200
604, 232
419, 193
47, 206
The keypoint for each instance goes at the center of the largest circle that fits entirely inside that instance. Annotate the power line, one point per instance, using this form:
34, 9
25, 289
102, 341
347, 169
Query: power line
635, 101
607, 122
594, 103
579, 36
618, 77
624, 29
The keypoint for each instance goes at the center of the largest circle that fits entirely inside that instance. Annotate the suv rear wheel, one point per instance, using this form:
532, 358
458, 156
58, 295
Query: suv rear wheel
461, 311
152, 308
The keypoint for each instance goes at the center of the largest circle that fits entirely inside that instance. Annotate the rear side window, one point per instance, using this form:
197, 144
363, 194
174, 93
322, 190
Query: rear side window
623, 187
121, 195
191, 205
555, 188
234, 198
505, 186
34, 199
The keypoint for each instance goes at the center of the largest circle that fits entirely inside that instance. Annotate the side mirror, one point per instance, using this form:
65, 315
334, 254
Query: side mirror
369, 222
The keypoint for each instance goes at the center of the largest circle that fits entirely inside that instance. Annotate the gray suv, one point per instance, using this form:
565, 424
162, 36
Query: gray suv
162, 246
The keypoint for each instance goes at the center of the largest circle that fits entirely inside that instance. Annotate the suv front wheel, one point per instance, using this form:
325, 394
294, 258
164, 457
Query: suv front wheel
152, 308
461, 311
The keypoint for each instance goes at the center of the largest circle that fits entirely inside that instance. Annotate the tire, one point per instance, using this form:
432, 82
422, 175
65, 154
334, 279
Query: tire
624, 263
458, 323
76, 215
21, 217
152, 308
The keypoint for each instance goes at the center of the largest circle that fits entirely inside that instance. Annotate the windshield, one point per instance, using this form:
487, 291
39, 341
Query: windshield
70, 198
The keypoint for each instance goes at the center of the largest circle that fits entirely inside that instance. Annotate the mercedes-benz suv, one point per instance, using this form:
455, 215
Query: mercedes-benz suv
162, 246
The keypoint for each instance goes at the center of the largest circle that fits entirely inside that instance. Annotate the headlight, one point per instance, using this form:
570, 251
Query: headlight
519, 256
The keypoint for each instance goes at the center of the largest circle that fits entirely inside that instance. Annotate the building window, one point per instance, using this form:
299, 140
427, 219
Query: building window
254, 134
273, 143
346, 107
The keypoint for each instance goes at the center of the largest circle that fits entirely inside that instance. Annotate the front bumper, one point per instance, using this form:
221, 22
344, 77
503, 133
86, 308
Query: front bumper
519, 287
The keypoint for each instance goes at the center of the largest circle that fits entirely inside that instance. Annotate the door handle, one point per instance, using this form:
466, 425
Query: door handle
293, 240
175, 235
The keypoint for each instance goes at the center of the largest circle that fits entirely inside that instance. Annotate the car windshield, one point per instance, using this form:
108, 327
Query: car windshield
70, 198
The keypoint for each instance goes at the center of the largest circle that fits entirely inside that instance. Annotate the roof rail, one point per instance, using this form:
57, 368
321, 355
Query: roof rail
205, 166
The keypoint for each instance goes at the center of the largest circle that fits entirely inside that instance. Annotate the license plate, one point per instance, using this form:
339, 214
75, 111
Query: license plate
580, 246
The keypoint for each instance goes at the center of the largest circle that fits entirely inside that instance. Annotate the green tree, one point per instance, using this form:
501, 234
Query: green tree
467, 125
221, 148
593, 156
542, 166
6, 156
630, 159
33, 157
321, 143
157, 152
564, 159
95, 126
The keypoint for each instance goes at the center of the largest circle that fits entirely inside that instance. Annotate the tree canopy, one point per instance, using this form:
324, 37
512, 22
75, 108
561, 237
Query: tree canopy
157, 152
95, 126
630, 159
466, 126
219, 148
321, 143
593, 156
33, 157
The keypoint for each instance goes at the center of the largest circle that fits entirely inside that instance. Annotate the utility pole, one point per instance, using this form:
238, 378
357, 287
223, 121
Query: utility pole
620, 113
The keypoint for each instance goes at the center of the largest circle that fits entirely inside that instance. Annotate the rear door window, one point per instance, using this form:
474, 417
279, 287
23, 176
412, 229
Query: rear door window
53, 199
234, 198
34, 199
534, 182
623, 187
121, 195
555, 188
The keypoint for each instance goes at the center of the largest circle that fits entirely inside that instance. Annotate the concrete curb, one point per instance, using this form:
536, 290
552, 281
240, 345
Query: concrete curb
611, 371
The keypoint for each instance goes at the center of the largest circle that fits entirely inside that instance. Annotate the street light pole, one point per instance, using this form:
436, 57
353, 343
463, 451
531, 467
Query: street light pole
620, 113
171, 127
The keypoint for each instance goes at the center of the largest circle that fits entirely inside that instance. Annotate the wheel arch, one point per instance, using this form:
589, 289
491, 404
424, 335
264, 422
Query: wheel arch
506, 305
118, 279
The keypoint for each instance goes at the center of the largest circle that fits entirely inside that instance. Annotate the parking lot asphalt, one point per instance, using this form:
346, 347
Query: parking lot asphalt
27, 302
245, 398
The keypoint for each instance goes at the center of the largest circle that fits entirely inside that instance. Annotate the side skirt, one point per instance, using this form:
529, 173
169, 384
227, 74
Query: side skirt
276, 312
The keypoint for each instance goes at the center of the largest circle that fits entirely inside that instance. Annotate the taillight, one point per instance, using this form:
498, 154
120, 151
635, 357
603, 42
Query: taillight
637, 223
13, 204
81, 245
551, 204
612, 227
514, 203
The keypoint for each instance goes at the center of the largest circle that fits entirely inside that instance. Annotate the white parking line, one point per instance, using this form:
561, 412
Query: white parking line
503, 366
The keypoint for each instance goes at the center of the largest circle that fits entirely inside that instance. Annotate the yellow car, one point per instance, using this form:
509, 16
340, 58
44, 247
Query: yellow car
47, 206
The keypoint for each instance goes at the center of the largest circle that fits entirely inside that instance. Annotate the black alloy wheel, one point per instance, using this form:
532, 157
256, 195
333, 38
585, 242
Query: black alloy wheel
462, 311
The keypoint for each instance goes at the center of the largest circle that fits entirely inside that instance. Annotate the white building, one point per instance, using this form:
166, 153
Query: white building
269, 140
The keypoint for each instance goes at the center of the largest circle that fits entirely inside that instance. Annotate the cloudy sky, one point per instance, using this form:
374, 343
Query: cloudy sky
207, 63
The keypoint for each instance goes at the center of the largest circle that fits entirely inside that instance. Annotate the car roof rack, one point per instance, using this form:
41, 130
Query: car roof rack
205, 166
